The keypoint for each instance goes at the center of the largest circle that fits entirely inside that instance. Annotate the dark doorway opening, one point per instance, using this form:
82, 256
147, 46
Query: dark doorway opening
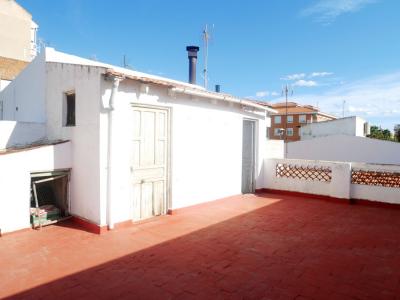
49, 197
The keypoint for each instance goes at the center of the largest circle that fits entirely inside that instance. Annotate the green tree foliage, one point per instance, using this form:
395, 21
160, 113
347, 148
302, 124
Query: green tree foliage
380, 134
397, 132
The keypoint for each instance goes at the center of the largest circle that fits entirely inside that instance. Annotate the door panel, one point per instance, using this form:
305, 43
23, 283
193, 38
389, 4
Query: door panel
149, 163
137, 195
248, 157
147, 139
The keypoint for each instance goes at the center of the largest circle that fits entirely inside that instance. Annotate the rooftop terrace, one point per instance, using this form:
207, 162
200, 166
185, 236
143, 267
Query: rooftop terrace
245, 247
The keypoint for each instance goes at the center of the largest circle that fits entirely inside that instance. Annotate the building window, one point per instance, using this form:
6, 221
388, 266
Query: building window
277, 131
69, 109
289, 132
277, 119
302, 118
290, 119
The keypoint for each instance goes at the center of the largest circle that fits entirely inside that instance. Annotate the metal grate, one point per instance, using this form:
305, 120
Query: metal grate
306, 173
386, 179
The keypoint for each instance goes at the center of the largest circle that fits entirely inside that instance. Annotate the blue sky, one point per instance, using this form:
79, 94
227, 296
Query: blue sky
330, 51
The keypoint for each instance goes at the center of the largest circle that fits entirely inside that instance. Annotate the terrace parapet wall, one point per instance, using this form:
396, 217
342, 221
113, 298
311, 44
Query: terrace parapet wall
342, 180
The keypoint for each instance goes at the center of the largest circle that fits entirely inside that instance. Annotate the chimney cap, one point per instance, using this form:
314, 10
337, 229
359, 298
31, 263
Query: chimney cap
192, 51
192, 48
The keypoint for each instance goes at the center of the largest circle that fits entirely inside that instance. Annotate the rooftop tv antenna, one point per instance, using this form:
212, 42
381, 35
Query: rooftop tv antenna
206, 37
125, 62
286, 91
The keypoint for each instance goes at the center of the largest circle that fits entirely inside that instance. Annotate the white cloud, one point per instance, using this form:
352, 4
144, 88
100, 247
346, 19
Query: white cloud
305, 83
376, 99
326, 11
299, 76
294, 76
262, 94
320, 74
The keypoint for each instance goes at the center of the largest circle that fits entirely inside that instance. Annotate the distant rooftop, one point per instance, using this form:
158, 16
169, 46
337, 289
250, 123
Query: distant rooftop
296, 108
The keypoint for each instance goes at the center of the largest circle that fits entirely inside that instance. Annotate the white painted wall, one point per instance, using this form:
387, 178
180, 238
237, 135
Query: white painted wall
353, 126
206, 136
15, 169
14, 133
346, 148
206, 146
24, 98
375, 193
274, 149
3, 84
339, 187
84, 137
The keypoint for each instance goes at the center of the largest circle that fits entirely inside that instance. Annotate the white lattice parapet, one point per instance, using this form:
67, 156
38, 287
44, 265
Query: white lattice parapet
377, 178
313, 173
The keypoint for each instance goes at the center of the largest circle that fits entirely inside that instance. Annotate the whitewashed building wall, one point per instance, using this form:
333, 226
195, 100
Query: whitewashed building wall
206, 146
206, 135
334, 179
15, 169
84, 137
346, 148
13, 133
352, 126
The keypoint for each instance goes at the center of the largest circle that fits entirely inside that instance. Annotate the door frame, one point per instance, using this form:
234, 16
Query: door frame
255, 152
168, 109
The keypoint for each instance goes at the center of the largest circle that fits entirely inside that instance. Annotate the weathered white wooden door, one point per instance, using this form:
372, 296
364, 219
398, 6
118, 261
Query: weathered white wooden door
150, 162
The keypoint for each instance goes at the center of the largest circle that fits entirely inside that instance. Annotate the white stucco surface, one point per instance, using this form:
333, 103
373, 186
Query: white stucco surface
339, 187
346, 148
15, 169
14, 133
274, 149
24, 98
84, 137
3, 84
205, 134
352, 126
205, 147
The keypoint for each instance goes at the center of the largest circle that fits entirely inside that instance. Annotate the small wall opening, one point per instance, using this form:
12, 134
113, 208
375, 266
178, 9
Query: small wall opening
69, 109
49, 197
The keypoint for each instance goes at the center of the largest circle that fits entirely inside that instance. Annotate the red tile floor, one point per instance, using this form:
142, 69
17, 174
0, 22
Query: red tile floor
245, 247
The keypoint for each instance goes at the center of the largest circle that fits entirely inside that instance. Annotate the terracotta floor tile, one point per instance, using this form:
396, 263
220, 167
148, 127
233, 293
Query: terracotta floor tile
244, 247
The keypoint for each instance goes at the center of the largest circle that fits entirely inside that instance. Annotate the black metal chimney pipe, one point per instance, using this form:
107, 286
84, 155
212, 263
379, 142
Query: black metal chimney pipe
192, 55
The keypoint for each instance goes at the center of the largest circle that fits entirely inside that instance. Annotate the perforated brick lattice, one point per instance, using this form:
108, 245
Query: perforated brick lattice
386, 179
305, 173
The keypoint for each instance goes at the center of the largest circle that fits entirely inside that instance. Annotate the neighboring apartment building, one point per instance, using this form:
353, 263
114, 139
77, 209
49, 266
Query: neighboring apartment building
17, 40
297, 115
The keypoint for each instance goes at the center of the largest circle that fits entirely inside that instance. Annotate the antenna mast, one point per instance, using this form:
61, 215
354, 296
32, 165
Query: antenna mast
124, 62
206, 37
286, 91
